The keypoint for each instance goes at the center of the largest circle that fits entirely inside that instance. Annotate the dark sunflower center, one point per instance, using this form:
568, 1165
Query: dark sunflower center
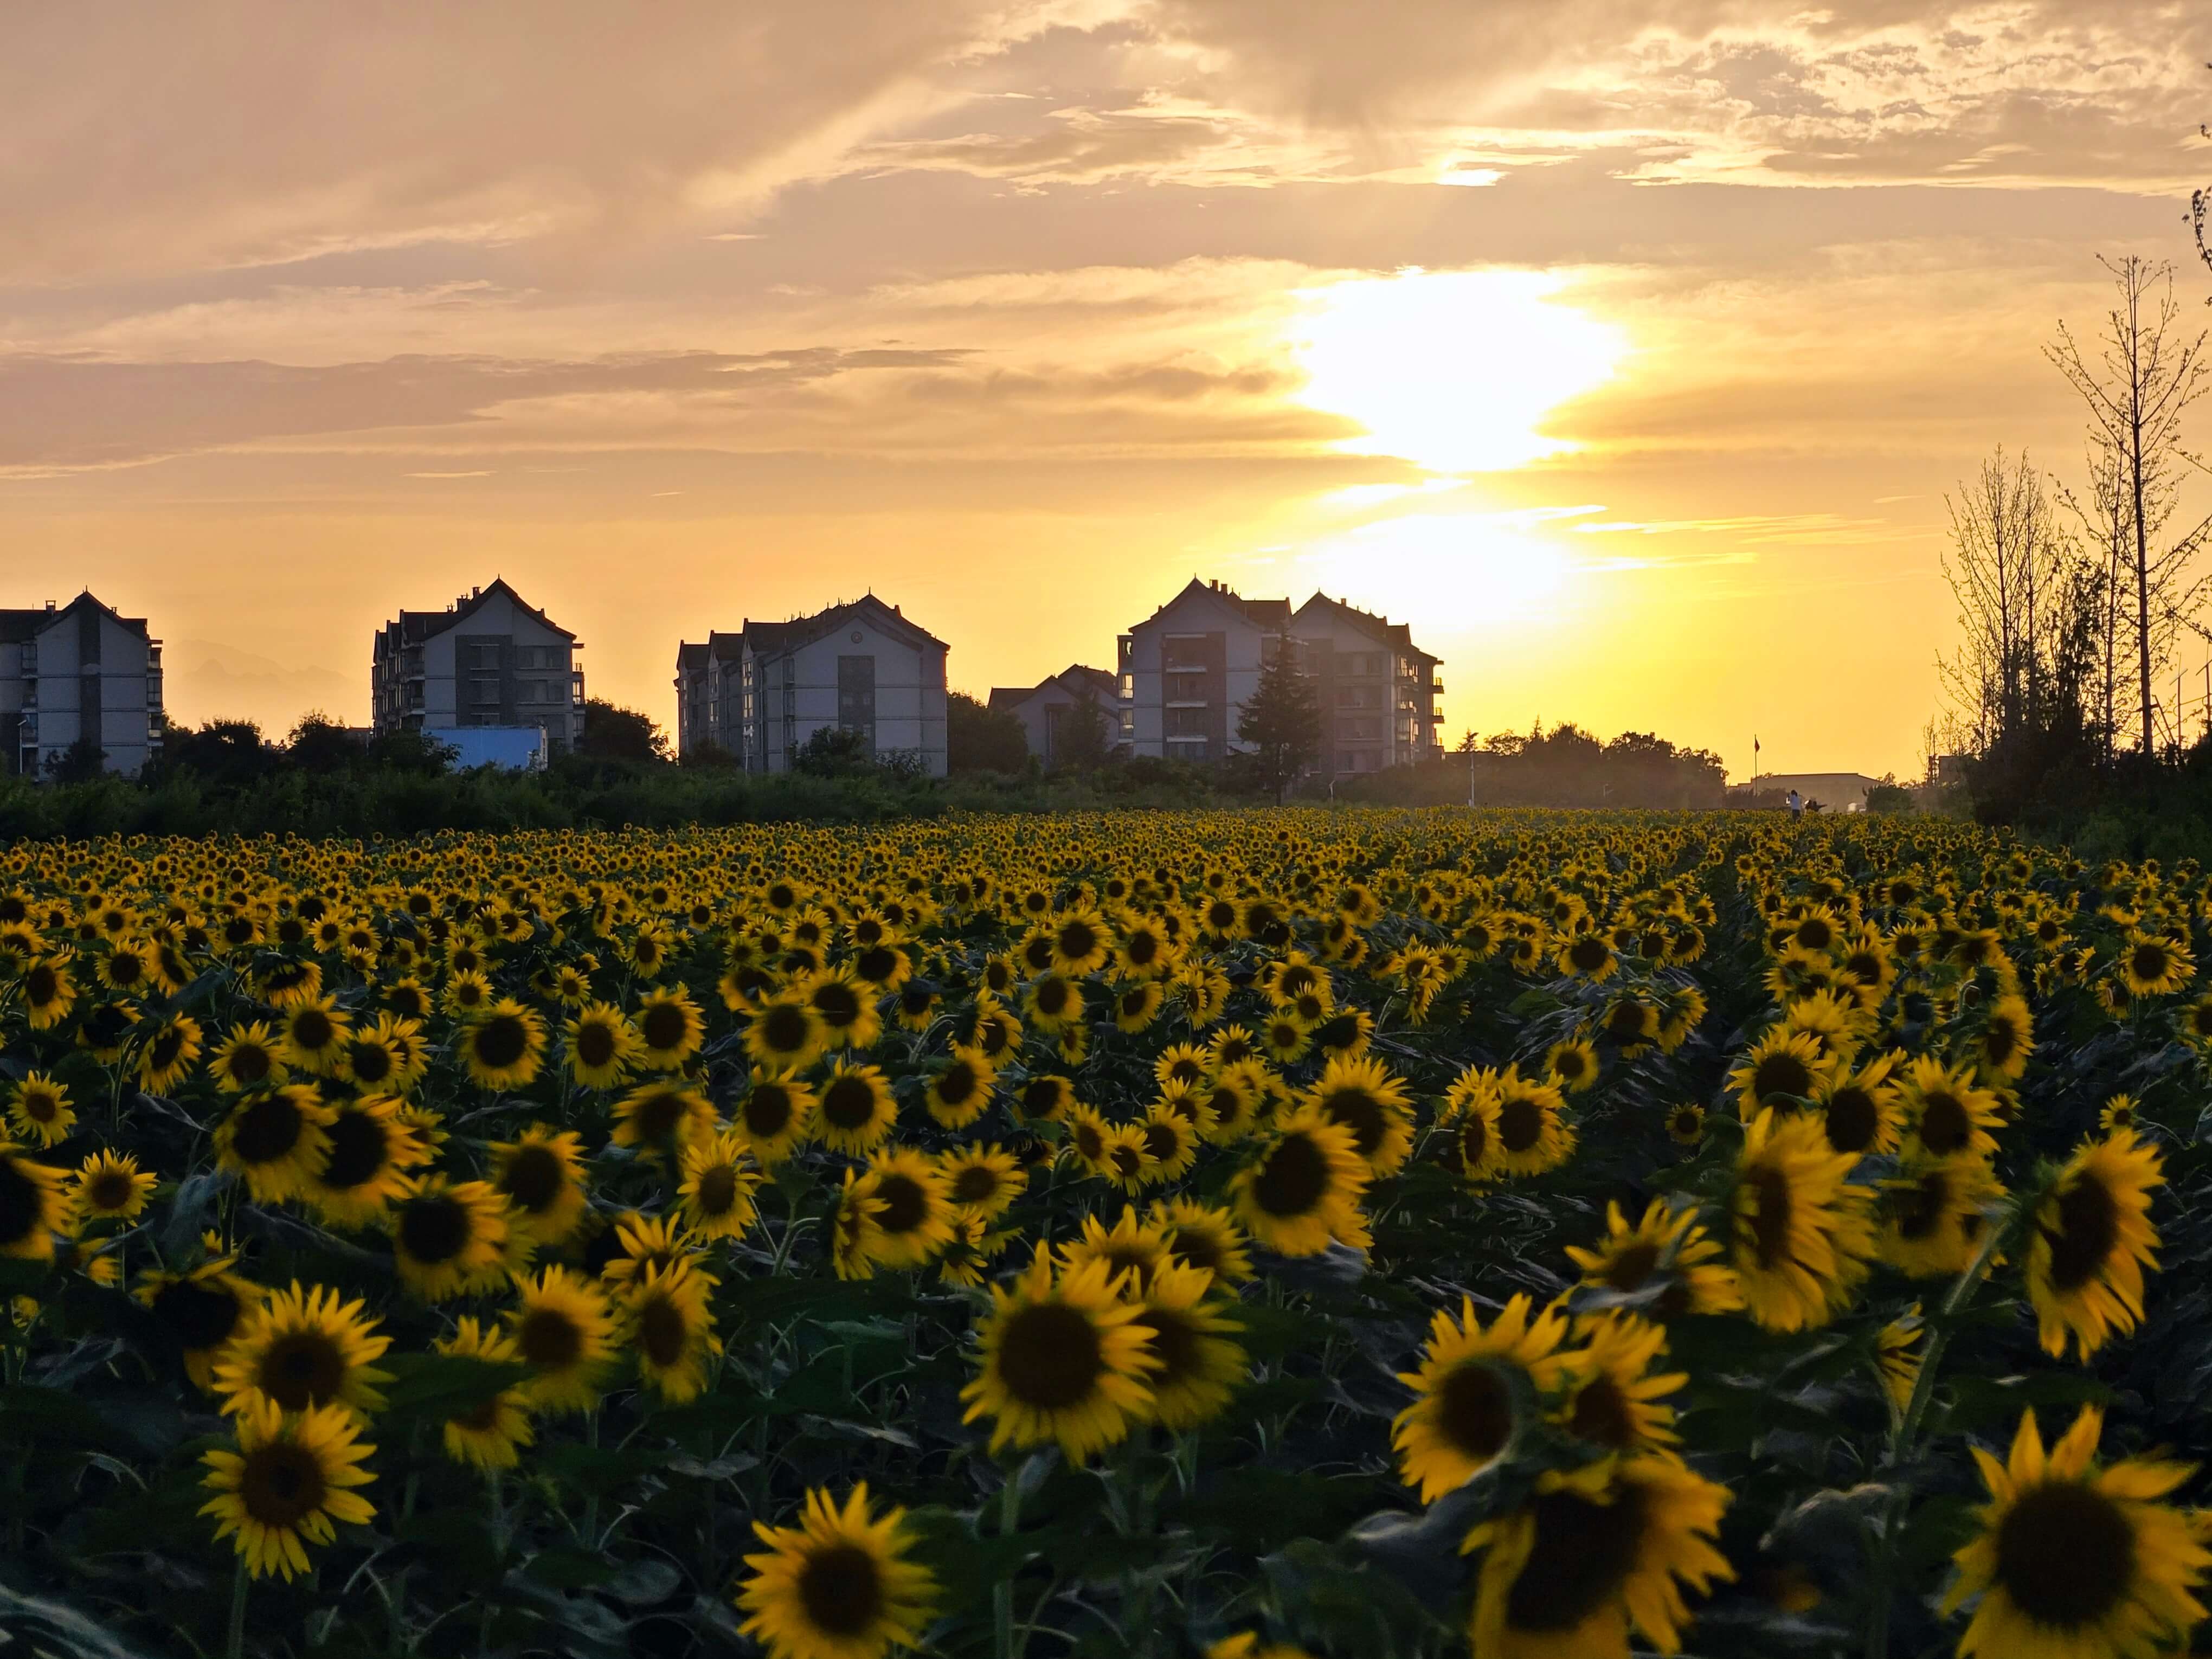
161, 1054
199, 1318
358, 1151
1049, 1356
302, 1370
1781, 1073
111, 1189
1473, 1140
978, 1183
841, 1590
371, 1062
249, 1063
2088, 1230
785, 1029
501, 1042
848, 1104
1602, 1415
22, 1203
1176, 1345
1852, 1119
1077, 940
878, 963
595, 1045
282, 1484
1361, 1113
1294, 1179
1589, 954
656, 1116
435, 1229
1771, 1207
2148, 962
956, 1084
1041, 1096
1162, 1141
664, 1026
534, 1176
1581, 1555
717, 1190
1474, 1411
2000, 1041
837, 1004
1194, 1249
312, 1030
1921, 1206
2066, 1555
767, 1110
1520, 1125
905, 1204
1945, 1124
1051, 997
549, 1338
267, 1129
1630, 1267
42, 985
662, 1332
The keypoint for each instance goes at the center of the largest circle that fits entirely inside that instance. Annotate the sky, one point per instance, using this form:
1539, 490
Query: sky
1624, 349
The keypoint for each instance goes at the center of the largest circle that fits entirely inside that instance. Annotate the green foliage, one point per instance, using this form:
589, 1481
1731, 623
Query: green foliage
1281, 721
981, 739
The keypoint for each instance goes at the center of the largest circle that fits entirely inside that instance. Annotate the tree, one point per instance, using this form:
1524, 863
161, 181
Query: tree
612, 732
1082, 745
320, 743
835, 752
2144, 380
706, 755
981, 739
1282, 718
2008, 554
81, 762
226, 754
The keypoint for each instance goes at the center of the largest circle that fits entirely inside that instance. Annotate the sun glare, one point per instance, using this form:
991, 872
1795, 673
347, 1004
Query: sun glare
1454, 572
1454, 370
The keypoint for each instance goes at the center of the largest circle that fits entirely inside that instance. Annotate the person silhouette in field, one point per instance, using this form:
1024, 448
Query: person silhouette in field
1797, 805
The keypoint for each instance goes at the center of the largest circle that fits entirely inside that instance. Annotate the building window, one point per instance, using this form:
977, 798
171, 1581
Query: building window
856, 696
1185, 722
1186, 688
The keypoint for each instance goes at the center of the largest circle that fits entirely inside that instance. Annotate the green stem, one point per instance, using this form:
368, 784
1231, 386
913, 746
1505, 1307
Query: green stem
234, 1644
1908, 1428
1002, 1593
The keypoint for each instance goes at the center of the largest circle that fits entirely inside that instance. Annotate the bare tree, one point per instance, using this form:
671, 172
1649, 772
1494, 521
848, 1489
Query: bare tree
2109, 538
2007, 556
2144, 379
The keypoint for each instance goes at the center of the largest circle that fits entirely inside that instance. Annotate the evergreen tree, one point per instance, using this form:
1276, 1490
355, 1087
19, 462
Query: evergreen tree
1282, 719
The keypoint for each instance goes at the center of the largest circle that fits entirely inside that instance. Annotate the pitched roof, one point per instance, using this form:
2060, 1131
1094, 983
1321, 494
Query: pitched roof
1272, 615
770, 639
416, 626
1075, 680
19, 625
1376, 627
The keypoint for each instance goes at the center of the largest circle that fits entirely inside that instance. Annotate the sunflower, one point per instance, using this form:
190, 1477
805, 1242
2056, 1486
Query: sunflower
1197, 1363
250, 1058
201, 1309
33, 1205
775, 1116
787, 1034
1666, 1251
641, 1242
311, 1035
1862, 1109
1945, 1113
1801, 1235
300, 1349
285, 1483
564, 1331
1895, 1363
1361, 1096
166, 1059
1533, 1134
1610, 1398
2092, 1239
840, 1585
372, 1150
656, 1116
667, 1029
1467, 1391
2001, 1046
857, 1111
39, 1110
1466, 1125
983, 1180
1783, 1067
1198, 1236
540, 1173
846, 1006
1132, 1251
1935, 1216
49, 993
601, 1045
449, 1241
491, 1435
1246, 1645
2074, 1561
277, 1141
1169, 1130
1284, 1039
1573, 1063
670, 1330
1137, 1004
1063, 1359
716, 1194
910, 1212
1592, 1553
1303, 1187
1126, 1160
1045, 1098
961, 1090
1686, 1125
2120, 1112
468, 993
504, 1046
1233, 1101
108, 1186
2152, 967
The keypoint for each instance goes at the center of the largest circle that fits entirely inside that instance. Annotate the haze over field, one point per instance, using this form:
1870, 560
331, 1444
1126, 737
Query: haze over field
1625, 351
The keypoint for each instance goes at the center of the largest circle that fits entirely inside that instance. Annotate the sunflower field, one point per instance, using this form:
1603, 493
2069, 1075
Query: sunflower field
1200, 1235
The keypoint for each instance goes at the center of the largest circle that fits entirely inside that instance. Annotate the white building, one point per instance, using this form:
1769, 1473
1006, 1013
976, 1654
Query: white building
79, 672
488, 658
1378, 689
1043, 709
759, 693
1188, 667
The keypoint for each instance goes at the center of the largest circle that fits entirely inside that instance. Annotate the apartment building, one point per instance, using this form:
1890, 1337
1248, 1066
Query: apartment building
488, 658
1043, 709
79, 671
760, 693
1377, 688
1188, 668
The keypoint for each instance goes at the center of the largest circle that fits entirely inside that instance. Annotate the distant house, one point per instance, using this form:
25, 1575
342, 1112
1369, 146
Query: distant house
78, 672
1836, 791
1042, 708
760, 693
489, 658
1188, 669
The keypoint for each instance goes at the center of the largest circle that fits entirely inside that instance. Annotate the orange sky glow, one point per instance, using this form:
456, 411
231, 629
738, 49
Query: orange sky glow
1625, 351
